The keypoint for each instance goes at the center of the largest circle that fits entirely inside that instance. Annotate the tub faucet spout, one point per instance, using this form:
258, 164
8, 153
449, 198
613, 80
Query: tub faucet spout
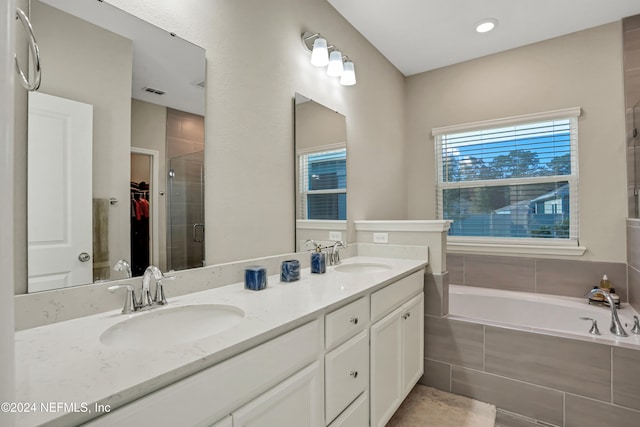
616, 327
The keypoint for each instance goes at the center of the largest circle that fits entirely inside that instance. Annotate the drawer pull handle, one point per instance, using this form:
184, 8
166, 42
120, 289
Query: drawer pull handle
354, 374
406, 316
354, 320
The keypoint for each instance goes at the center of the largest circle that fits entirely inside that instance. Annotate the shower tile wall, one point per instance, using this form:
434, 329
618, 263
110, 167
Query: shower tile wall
631, 65
633, 262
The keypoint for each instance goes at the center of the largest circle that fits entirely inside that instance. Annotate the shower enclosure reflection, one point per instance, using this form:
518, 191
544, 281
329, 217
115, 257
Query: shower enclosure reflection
185, 248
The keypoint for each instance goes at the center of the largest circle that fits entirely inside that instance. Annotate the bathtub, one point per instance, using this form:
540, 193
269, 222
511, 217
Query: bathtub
548, 314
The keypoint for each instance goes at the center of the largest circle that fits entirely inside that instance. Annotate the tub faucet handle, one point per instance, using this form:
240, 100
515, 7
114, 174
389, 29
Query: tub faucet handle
594, 326
636, 325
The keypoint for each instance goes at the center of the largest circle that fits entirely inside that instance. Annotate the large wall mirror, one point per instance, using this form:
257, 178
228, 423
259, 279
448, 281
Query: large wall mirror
115, 147
321, 173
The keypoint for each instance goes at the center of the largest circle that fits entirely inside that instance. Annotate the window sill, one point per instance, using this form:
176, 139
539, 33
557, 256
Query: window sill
513, 249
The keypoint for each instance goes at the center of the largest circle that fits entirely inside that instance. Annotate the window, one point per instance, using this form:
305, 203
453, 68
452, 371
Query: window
514, 178
322, 184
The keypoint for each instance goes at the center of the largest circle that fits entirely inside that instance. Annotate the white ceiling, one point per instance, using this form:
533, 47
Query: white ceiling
421, 35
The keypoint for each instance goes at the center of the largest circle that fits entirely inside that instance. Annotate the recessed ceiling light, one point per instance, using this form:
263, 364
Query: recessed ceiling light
486, 25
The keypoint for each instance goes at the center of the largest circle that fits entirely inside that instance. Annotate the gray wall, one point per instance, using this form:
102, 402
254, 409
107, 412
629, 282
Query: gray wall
256, 63
582, 69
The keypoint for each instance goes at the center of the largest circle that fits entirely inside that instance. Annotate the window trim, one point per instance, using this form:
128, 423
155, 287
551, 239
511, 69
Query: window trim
513, 245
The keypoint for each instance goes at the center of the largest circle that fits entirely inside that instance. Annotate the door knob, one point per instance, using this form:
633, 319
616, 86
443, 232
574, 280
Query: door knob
84, 257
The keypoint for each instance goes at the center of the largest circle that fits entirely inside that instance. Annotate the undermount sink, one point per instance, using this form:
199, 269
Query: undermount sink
175, 325
362, 268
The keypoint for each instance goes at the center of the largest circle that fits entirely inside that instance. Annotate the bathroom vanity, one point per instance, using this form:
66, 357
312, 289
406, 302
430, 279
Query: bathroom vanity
337, 349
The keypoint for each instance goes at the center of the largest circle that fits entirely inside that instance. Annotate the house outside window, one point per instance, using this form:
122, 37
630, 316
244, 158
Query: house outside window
510, 180
322, 185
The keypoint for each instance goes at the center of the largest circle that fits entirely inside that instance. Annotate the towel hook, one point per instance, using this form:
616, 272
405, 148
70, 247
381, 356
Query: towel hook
35, 54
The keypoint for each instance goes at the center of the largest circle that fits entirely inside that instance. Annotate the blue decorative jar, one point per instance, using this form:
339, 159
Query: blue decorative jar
318, 262
255, 278
290, 270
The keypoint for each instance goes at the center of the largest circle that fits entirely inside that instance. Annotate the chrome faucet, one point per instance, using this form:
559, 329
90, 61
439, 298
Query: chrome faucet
334, 256
145, 297
132, 304
123, 265
616, 327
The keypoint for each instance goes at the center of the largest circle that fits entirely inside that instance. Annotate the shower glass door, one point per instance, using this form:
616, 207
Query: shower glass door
185, 239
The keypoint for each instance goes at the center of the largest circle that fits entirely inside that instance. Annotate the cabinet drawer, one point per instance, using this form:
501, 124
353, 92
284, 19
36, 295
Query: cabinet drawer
356, 415
346, 374
388, 299
345, 322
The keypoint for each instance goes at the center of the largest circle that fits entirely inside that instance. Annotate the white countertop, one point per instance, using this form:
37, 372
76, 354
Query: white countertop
65, 363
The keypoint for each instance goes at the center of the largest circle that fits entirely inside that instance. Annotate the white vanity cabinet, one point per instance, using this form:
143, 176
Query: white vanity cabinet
397, 345
282, 372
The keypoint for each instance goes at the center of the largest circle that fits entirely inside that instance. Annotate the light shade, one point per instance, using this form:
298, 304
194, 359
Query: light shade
319, 54
335, 64
348, 77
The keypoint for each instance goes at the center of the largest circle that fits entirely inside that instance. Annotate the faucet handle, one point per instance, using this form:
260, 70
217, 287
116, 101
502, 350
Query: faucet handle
130, 300
594, 326
636, 325
160, 297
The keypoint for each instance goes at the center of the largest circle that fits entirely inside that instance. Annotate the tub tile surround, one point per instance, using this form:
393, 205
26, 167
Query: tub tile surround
583, 412
458, 343
66, 362
562, 364
539, 377
436, 294
626, 378
532, 401
548, 276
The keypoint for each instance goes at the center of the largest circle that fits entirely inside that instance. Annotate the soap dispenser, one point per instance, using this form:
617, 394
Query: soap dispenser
318, 258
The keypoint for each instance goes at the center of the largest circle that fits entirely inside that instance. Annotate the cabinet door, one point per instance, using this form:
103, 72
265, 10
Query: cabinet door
295, 402
412, 342
386, 361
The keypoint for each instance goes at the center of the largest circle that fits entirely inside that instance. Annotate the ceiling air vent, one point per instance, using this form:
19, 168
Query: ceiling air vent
153, 90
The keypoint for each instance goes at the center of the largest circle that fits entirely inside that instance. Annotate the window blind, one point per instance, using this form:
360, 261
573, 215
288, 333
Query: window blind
322, 185
518, 179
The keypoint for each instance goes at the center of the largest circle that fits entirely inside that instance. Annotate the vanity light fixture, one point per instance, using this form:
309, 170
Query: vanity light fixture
330, 56
319, 52
335, 67
348, 77
486, 25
